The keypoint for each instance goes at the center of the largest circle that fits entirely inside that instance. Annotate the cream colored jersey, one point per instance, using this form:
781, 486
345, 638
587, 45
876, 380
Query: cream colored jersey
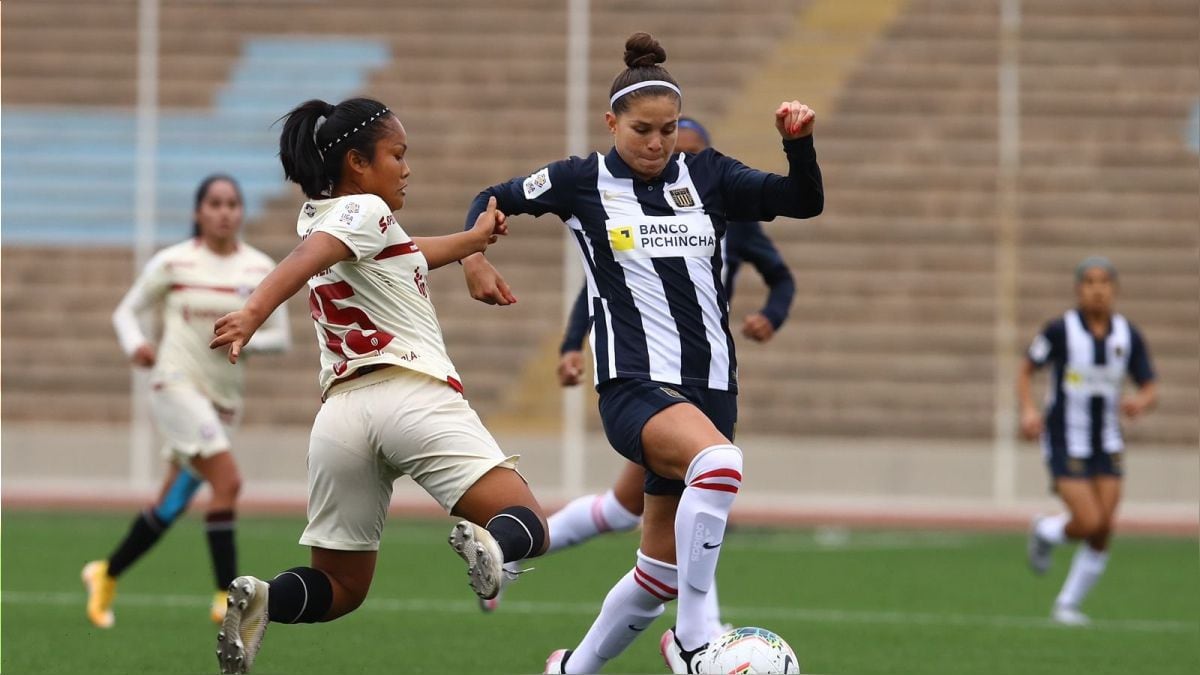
373, 309
194, 287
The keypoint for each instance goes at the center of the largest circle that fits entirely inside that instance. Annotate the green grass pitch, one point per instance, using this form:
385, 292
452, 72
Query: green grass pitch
848, 602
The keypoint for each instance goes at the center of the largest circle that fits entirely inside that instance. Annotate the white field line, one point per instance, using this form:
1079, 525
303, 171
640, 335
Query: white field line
835, 616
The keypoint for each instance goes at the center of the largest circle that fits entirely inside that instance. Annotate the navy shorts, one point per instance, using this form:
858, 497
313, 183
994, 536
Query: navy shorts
1101, 463
626, 405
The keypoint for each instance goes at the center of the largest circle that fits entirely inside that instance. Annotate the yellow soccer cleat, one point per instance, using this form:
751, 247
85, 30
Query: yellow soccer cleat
101, 591
219, 604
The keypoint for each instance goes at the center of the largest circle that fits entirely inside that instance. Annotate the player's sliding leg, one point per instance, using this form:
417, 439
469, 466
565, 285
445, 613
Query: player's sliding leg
617, 510
504, 523
334, 585
100, 576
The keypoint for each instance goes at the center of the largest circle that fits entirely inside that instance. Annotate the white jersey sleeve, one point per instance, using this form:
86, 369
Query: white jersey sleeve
149, 288
359, 224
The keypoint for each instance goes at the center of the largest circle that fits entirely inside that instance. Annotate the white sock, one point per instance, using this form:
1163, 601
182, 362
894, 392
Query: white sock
587, 516
712, 612
1053, 529
713, 480
630, 607
1086, 568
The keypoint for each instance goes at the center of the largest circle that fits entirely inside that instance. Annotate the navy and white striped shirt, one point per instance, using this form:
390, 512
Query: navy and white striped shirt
652, 251
745, 241
1082, 415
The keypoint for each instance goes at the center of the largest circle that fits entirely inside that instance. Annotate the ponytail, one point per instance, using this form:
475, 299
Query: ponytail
317, 136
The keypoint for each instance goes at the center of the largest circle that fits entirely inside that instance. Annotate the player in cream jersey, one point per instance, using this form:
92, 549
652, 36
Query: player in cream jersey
373, 310
196, 287
393, 405
196, 396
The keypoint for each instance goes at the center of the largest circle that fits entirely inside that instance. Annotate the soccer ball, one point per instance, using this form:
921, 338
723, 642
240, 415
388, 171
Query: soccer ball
742, 651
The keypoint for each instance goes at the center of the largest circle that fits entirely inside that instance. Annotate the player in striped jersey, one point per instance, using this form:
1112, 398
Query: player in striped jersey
196, 397
620, 508
1092, 349
393, 402
649, 222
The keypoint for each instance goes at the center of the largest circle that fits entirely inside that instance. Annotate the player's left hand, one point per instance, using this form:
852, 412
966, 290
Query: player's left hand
758, 327
235, 330
489, 226
794, 120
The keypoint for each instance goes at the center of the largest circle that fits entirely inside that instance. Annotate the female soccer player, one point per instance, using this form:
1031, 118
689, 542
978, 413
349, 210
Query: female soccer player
393, 403
649, 223
620, 508
1091, 349
196, 397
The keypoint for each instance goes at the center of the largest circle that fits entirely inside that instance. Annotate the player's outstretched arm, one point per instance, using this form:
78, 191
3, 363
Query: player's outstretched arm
317, 252
489, 226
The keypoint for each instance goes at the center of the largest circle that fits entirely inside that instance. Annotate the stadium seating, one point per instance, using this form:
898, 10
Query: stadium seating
892, 330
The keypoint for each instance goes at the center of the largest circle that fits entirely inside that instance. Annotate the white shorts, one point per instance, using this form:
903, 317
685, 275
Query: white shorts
395, 422
192, 425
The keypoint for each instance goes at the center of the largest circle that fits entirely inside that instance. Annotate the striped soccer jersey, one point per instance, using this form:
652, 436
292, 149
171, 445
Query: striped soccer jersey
651, 251
1082, 415
375, 309
196, 287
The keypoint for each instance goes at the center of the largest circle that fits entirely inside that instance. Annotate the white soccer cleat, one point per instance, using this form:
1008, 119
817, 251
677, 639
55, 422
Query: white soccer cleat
1037, 549
511, 571
1066, 615
485, 561
678, 660
245, 623
557, 661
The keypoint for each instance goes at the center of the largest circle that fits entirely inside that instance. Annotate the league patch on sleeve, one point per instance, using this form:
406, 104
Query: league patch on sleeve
1040, 349
537, 184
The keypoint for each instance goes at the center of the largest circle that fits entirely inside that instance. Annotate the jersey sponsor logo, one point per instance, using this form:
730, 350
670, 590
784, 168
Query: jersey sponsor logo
537, 183
1093, 380
611, 195
419, 280
385, 222
680, 236
621, 238
309, 210
682, 198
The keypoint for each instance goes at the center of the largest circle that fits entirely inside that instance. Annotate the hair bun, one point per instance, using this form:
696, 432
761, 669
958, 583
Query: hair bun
642, 50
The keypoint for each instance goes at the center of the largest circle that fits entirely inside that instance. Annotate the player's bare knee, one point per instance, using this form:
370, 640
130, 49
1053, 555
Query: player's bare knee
1085, 526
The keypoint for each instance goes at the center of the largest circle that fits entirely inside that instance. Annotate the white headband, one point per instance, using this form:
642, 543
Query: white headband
648, 83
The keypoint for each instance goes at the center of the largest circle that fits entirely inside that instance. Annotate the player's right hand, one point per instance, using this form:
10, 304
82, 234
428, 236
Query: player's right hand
234, 329
1031, 424
794, 120
144, 356
570, 368
485, 283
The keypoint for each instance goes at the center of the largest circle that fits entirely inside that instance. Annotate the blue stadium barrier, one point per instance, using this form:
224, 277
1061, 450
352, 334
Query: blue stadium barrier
68, 172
